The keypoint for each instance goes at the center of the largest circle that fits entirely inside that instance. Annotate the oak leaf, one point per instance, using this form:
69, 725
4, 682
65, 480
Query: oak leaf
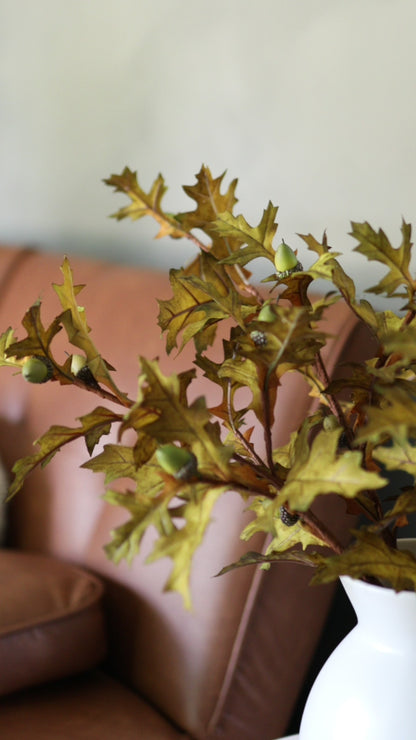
268, 520
369, 556
254, 242
209, 199
179, 421
93, 426
74, 320
321, 471
144, 204
376, 247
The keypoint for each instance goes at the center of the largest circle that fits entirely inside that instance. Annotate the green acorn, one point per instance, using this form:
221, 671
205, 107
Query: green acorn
37, 369
77, 363
177, 461
285, 261
267, 313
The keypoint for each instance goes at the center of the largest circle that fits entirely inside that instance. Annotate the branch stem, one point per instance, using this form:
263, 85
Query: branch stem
321, 531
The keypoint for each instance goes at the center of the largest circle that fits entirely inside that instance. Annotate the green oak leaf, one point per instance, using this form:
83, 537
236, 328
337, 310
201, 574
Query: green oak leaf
267, 519
320, 470
395, 418
115, 461
401, 340
179, 421
181, 543
6, 339
148, 506
400, 455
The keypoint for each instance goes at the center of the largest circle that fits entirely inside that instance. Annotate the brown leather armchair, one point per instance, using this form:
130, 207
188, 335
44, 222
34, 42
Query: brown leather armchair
234, 666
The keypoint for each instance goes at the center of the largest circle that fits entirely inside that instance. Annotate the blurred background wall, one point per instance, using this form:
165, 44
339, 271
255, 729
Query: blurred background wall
310, 103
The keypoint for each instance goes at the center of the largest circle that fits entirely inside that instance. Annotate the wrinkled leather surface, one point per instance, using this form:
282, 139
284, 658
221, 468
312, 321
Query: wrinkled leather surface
88, 707
233, 667
51, 620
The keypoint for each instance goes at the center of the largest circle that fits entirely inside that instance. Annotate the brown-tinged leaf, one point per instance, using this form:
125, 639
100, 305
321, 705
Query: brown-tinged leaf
144, 204
38, 339
370, 557
74, 320
209, 199
190, 310
93, 426
376, 247
404, 505
244, 373
255, 558
255, 241
290, 342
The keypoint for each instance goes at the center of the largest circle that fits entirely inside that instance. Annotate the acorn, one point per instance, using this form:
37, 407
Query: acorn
330, 422
259, 338
288, 518
267, 313
177, 461
80, 369
37, 369
285, 261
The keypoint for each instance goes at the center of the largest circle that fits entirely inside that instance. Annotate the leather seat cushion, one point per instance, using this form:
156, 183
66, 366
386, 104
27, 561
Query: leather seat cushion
87, 707
51, 620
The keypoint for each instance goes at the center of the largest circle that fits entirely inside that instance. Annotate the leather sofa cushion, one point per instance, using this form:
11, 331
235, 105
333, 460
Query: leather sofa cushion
51, 620
92, 706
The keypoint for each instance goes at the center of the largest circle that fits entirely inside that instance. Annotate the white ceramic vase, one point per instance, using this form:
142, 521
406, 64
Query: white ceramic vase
366, 690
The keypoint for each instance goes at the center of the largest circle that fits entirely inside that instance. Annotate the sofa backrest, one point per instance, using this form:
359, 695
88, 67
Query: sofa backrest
233, 667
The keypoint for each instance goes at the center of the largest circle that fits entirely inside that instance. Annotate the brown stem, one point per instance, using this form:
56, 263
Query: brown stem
267, 425
409, 317
120, 400
250, 449
333, 402
262, 471
319, 529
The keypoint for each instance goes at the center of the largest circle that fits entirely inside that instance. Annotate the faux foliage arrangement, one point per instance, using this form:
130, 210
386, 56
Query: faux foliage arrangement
185, 455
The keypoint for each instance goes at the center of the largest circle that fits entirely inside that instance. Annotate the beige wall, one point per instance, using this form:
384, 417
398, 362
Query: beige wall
311, 103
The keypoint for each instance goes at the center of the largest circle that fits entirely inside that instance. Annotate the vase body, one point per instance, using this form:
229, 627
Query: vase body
367, 688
